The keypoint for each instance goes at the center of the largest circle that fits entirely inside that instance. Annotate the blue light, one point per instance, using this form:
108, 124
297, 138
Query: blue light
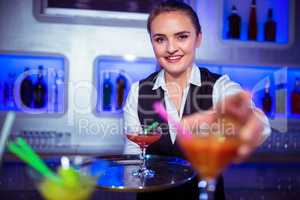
281, 16
253, 79
133, 70
12, 67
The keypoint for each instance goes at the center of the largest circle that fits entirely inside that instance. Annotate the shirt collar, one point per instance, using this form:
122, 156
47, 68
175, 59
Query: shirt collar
194, 79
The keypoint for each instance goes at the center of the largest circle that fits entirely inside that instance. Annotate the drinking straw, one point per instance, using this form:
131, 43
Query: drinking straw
31, 153
152, 126
6, 130
26, 153
161, 111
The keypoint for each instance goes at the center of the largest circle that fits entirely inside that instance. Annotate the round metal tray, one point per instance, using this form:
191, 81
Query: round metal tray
115, 172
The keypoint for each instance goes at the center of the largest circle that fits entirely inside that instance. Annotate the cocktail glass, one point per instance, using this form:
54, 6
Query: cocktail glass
209, 147
210, 150
50, 190
144, 138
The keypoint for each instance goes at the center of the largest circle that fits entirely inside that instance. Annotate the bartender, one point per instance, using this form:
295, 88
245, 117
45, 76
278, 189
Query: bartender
187, 91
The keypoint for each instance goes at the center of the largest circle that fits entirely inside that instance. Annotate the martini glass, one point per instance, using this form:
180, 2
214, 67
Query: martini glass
209, 149
142, 136
209, 155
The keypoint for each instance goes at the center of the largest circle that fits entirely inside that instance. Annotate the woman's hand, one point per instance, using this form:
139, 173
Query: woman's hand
247, 121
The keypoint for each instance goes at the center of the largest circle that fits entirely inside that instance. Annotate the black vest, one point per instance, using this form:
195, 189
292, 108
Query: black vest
198, 99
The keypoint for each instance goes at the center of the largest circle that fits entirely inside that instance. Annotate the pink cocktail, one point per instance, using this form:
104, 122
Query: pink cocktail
144, 138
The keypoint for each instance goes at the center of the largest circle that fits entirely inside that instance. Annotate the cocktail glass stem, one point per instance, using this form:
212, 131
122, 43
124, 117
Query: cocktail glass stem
143, 172
207, 189
143, 167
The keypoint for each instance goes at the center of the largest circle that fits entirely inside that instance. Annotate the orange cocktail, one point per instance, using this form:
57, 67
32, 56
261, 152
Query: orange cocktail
210, 150
209, 155
210, 144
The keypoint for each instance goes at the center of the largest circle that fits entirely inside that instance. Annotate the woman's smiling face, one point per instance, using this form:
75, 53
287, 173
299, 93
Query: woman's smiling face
174, 40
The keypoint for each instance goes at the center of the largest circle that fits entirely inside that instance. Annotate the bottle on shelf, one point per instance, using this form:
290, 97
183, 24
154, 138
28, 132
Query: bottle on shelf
280, 96
60, 90
252, 25
121, 84
26, 89
57, 84
267, 100
40, 89
295, 97
107, 92
53, 94
270, 27
234, 21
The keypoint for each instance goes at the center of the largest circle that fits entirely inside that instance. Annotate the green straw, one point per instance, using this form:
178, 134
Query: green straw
152, 126
26, 147
25, 153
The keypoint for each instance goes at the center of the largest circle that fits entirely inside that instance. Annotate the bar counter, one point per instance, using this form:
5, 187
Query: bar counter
265, 177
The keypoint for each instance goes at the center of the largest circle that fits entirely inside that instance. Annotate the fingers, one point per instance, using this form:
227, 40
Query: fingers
246, 122
251, 133
244, 153
251, 136
237, 106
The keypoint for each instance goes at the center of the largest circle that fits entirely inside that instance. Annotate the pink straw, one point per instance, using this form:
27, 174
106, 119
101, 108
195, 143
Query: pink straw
161, 111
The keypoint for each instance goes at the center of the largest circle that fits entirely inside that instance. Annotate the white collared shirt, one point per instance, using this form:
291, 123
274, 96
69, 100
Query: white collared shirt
222, 87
